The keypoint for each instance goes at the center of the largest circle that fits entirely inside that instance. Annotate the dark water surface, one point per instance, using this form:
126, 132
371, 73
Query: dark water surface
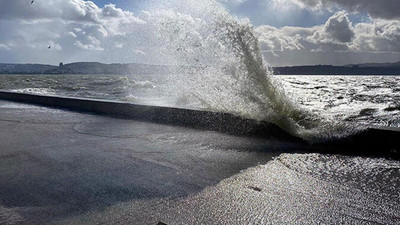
370, 100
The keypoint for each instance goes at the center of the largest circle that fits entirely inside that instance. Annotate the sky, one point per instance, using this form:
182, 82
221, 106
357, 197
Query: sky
290, 32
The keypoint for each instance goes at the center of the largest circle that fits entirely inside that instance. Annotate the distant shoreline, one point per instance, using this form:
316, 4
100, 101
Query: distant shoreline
96, 68
336, 70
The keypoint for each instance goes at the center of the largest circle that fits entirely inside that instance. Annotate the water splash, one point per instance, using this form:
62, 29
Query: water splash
219, 65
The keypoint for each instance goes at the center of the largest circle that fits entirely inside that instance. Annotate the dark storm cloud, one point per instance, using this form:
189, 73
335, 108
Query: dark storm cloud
385, 9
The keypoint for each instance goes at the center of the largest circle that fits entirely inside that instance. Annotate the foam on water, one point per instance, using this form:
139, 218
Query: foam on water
220, 66
43, 91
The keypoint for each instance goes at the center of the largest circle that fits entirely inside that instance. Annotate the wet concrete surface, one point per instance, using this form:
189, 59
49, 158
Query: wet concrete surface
63, 167
55, 164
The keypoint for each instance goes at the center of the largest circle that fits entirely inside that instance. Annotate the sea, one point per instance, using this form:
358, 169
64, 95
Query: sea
219, 67
330, 188
366, 100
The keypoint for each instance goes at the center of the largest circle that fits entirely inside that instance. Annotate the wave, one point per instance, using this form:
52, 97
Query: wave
42, 91
220, 65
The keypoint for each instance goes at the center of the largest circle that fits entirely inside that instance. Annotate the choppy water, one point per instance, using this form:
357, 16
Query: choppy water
367, 100
217, 65
220, 68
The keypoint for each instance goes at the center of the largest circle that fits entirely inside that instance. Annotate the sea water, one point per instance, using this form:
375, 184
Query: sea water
218, 66
367, 100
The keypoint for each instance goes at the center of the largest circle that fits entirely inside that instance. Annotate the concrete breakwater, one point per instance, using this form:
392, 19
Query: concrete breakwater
58, 166
376, 141
216, 121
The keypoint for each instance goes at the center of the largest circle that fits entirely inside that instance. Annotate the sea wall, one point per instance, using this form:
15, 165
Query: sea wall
377, 141
216, 121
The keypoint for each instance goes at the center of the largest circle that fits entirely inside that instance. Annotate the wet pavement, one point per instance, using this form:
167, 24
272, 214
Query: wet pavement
63, 167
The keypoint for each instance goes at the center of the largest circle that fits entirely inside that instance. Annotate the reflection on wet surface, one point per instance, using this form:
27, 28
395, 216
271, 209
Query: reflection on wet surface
346, 98
91, 169
291, 189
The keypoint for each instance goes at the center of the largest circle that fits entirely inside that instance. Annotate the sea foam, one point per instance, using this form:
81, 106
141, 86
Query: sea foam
219, 65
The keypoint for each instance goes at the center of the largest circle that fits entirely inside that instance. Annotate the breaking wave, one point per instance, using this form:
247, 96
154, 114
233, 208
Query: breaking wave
219, 65
43, 91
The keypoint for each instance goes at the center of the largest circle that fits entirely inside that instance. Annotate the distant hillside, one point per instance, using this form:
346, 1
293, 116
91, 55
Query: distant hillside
395, 64
82, 68
357, 69
24, 68
135, 68
99, 68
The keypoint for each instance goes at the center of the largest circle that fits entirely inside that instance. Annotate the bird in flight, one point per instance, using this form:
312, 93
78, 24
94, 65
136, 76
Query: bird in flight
49, 47
32, 2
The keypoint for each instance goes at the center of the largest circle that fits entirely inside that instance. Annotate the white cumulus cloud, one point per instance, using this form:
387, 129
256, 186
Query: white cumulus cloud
4, 47
79, 30
339, 28
68, 25
337, 39
380, 35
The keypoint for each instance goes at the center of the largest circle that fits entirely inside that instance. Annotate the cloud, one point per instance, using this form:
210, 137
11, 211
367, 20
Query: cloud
380, 36
287, 38
139, 52
385, 9
88, 46
71, 34
232, 2
75, 16
338, 38
339, 28
79, 30
69, 25
67, 10
4, 47
55, 46
331, 36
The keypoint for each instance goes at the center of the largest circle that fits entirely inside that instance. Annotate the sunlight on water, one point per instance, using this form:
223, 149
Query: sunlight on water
215, 64
219, 65
368, 100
